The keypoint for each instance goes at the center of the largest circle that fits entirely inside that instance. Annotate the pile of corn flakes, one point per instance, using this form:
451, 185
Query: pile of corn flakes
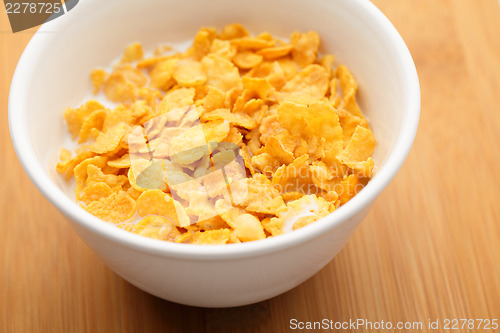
289, 117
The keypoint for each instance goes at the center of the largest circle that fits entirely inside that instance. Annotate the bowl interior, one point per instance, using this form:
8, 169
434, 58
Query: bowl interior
64, 51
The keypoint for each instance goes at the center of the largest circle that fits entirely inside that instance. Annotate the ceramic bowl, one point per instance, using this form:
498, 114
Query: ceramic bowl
53, 73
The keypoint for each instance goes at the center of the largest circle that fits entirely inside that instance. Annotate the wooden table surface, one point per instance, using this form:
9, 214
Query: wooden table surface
429, 249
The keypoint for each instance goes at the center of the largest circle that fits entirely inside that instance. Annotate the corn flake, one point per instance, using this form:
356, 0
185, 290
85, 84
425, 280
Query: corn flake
254, 43
75, 117
96, 175
349, 88
156, 202
248, 228
223, 48
305, 47
162, 74
80, 171
221, 72
110, 140
212, 237
95, 192
98, 77
117, 207
201, 44
156, 227
357, 154
232, 31
304, 211
189, 73
272, 53
175, 99
349, 187
132, 53
310, 85
118, 89
238, 119
68, 164
258, 196
94, 121
237, 139
213, 99
247, 59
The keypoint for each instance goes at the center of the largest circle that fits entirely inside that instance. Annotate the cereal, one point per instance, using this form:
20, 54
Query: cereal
254, 43
273, 225
305, 47
201, 44
247, 59
213, 99
248, 228
232, 31
75, 117
212, 237
162, 74
308, 86
108, 141
67, 164
357, 154
258, 196
156, 202
175, 99
122, 114
348, 87
348, 189
221, 72
223, 48
96, 175
156, 227
118, 89
260, 87
237, 119
275, 52
132, 53
98, 77
122, 162
189, 73
116, 208
237, 139
93, 122
304, 211
95, 192
80, 171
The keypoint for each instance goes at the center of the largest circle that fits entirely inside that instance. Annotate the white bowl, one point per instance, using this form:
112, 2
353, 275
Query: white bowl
53, 73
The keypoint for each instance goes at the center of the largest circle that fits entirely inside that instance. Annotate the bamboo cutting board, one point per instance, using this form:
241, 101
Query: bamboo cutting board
429, 249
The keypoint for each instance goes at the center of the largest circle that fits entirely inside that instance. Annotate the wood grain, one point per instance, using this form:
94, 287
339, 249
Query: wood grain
429, 249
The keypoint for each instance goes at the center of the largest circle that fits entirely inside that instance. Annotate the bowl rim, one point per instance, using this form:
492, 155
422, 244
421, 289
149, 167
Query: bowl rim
31, 165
